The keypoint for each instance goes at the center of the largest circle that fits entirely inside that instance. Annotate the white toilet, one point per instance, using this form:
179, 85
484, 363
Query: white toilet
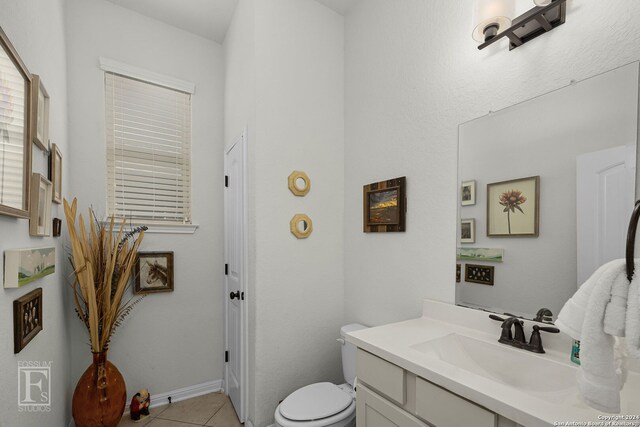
324, 404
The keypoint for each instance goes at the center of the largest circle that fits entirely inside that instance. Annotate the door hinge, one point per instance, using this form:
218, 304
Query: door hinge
226, 269
226, 356
226, 180
242, 296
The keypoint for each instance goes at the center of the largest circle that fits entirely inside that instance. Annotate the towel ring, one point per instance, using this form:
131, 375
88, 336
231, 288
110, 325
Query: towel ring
631, 240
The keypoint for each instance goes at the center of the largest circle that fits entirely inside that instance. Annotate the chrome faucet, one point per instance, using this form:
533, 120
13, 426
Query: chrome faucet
518, 340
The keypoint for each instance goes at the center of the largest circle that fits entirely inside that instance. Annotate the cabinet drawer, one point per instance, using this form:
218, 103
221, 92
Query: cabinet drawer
381, 375
374, 411
444, 409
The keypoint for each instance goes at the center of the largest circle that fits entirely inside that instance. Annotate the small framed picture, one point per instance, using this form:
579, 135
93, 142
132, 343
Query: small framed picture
458, 272
513, 208
39, 114
468, 230
27, 319
468, 193
385, 205
482, 274
154, 272
55, 173
40, 209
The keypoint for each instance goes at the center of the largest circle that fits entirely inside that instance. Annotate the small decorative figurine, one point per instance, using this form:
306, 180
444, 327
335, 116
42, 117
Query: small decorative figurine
140, 405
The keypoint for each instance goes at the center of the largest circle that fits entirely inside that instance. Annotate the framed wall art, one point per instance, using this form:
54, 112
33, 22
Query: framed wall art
15, 132
480, 254
154, 272
385, 206
40, 210
39, 114
55, 173
27, 319
468, 193
483, 274
23, 266
468, 230
513, 208
458, 273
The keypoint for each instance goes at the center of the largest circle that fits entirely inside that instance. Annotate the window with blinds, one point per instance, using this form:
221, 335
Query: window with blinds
148, 151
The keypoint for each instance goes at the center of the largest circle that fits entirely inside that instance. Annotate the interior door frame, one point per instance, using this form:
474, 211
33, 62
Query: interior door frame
244, 313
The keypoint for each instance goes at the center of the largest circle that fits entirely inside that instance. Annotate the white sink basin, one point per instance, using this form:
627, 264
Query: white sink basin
527, 372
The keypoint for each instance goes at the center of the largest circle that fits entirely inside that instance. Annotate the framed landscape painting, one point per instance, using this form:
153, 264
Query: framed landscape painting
384, 206
513, 208
23, 266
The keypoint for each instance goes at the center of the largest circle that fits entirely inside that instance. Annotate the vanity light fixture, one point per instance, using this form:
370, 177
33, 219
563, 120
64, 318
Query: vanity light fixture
491, 15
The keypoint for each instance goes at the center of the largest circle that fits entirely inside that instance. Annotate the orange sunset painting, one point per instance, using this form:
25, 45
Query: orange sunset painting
383, 207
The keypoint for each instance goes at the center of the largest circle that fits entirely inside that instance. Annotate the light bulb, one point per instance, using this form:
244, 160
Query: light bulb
491, 17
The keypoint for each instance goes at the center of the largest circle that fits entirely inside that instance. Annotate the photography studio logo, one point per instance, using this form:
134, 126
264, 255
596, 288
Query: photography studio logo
34, 386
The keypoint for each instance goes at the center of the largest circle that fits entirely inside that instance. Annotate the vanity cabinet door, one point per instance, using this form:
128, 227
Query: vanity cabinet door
445, 409
375, 411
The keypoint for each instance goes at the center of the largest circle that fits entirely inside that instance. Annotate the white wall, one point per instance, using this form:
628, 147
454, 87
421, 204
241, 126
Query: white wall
412, 75
295, 95
36, 29
543, 137
170, 340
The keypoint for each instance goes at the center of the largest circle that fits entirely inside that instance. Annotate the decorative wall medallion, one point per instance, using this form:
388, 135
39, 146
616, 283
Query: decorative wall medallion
482, 274
301, 226
299, 183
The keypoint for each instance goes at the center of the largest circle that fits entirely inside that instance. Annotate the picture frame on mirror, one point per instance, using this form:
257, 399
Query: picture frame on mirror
15, 131
40, 210
468, 230
55, 173
40, 113
513, 208
482, 274
468, 193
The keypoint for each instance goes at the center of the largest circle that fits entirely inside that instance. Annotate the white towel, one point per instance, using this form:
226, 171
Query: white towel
633, 317
571, 317
599, 378
615, 314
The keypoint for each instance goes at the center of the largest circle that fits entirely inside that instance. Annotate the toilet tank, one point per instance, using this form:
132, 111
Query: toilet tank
349, 353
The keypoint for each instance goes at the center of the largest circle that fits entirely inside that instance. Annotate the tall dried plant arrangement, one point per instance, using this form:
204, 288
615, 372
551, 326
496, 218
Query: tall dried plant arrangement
102, 267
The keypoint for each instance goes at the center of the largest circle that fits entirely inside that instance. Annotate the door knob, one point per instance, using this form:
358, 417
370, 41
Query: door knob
235, 294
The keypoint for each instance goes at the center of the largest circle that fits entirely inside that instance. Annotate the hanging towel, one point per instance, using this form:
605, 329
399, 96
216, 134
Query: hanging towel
599, 377
615, 314
633, 317
571, 317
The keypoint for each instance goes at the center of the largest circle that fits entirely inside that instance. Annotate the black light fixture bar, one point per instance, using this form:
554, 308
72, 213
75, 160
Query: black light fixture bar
532, 24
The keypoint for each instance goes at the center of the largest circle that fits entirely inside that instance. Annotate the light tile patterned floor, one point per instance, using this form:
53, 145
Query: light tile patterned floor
212, 410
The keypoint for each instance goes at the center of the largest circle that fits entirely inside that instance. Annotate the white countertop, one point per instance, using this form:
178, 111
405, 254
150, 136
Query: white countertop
394, 343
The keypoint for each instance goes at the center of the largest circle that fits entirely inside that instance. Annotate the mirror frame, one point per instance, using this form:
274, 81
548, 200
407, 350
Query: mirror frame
28, 80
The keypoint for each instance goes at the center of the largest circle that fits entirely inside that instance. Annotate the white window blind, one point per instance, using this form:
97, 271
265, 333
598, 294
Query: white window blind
148, 151
12, 129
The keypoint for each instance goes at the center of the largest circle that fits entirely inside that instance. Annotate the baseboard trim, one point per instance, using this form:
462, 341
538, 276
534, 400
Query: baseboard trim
177, 395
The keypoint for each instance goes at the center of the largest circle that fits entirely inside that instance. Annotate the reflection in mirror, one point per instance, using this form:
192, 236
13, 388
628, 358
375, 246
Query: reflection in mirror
302, 226
549, 185
14, 136
301, 183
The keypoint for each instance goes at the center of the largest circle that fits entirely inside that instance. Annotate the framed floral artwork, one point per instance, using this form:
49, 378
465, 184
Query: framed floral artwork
513, 208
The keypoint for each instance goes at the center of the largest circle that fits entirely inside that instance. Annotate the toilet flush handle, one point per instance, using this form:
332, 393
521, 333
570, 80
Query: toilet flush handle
341, 341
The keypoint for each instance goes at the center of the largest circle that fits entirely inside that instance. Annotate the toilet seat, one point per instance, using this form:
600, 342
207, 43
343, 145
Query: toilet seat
316, 405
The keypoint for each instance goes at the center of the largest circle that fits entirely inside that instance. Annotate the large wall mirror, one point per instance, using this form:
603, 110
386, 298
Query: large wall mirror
15, 140
547, 189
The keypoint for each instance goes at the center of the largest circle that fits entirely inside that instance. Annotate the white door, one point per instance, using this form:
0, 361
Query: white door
605, 200
235, 277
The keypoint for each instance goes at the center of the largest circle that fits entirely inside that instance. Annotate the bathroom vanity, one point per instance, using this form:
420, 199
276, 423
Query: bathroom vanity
447, 369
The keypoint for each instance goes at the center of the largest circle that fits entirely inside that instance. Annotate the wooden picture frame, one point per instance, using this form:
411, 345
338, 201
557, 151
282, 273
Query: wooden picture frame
482, 274
27, 319
40, 213
468, 230
55, 173
39, 114
468, 193
153, 272
15, 126
507, 215
385, 206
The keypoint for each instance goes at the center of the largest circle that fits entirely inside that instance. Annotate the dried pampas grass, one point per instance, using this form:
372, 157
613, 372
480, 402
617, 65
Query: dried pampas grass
102, 267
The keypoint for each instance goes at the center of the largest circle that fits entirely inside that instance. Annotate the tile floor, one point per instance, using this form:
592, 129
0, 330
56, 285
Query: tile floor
209, 410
